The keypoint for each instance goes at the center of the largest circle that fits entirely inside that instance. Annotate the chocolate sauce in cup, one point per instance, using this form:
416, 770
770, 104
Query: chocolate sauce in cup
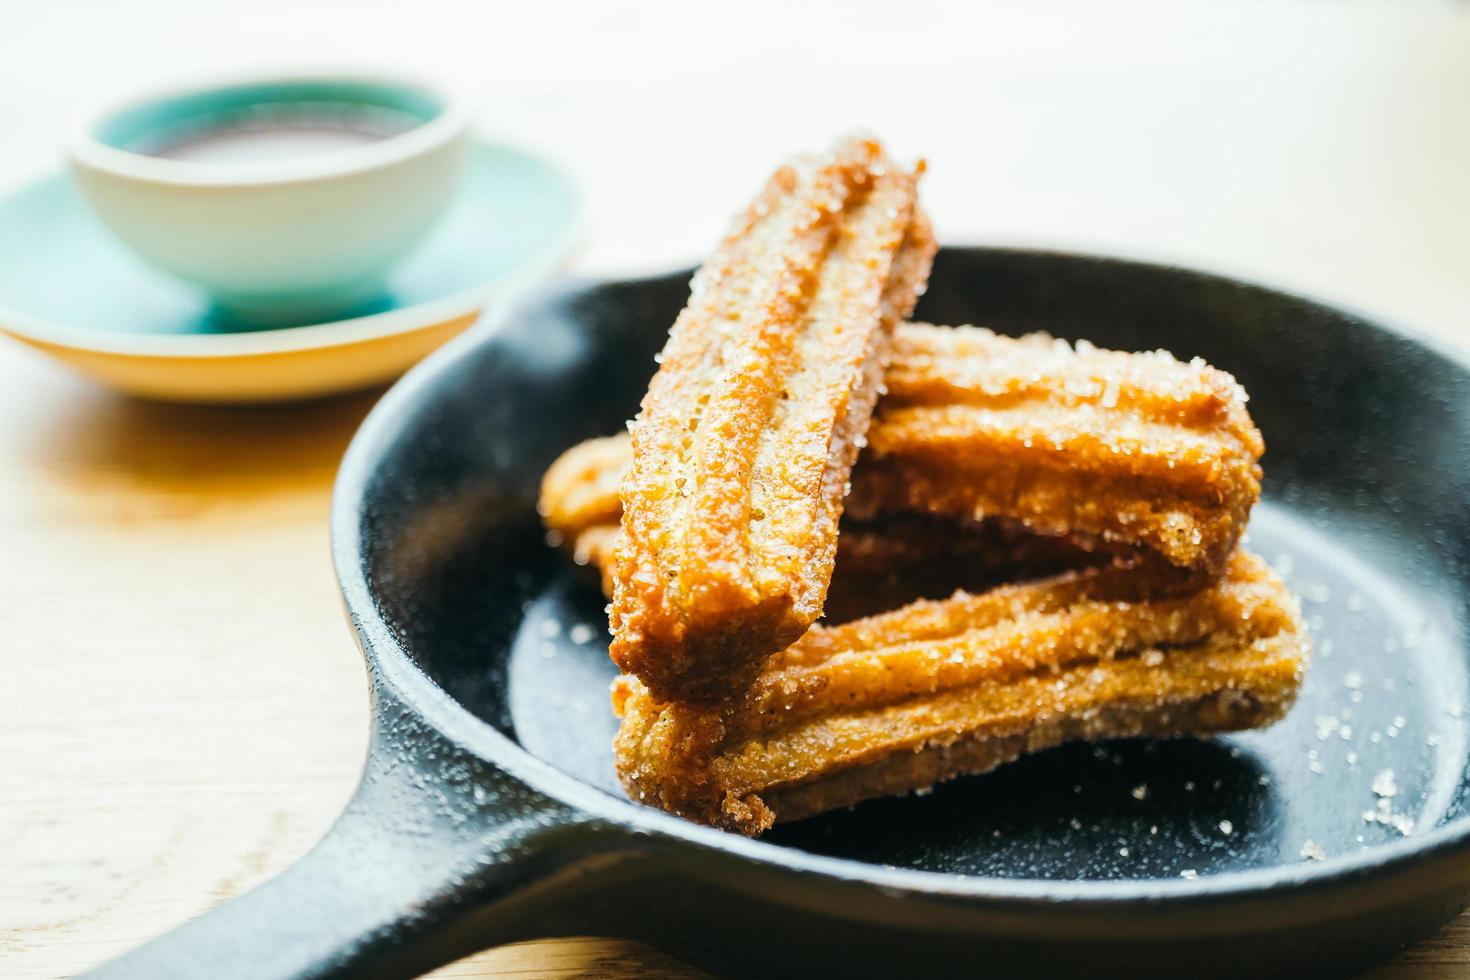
288, 200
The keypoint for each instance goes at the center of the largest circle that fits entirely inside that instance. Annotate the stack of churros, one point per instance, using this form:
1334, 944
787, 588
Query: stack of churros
1010, 543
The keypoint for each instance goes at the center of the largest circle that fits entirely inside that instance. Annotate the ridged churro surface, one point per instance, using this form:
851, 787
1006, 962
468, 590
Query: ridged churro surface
899, 701
1139, 452
746, 438
1139, 449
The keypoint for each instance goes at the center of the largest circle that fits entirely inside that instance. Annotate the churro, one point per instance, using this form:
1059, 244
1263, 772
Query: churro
1098, 449
899, 701
748, 432
802, 453
1140, 450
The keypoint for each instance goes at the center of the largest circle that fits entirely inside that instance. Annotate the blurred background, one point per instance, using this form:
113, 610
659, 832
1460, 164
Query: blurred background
1323, 145
183, 708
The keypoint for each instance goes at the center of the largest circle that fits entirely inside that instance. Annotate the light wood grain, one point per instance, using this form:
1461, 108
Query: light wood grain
182, 710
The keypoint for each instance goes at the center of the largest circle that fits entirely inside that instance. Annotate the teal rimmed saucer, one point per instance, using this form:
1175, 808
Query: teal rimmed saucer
66, 287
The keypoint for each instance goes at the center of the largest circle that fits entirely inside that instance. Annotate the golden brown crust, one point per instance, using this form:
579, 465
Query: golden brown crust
580, 489
1258, 699
963, 685
715, 526
1138, 451
1141, 450
748, 432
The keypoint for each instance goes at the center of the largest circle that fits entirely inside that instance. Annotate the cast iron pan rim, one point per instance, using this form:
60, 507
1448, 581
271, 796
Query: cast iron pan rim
387, 658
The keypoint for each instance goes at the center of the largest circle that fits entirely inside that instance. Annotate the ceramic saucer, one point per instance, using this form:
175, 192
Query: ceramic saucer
70, 290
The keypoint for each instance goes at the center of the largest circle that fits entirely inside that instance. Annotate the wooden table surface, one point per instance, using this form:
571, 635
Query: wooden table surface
182, 709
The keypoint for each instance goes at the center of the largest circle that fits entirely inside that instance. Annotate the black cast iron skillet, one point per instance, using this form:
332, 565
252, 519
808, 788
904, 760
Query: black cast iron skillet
488, 811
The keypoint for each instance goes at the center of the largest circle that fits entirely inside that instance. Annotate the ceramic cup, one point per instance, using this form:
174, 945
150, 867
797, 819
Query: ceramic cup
278, 235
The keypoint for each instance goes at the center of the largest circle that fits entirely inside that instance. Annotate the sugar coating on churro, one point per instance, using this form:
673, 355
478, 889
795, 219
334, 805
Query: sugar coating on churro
898, 701
1138, 449
742, 450
715, 527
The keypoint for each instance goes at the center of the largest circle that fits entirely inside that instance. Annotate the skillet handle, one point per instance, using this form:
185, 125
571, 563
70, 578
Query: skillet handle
438, 854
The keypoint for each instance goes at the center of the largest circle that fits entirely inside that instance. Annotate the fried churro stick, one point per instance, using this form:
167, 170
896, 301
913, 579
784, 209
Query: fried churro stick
580, 489
1140, 450
899, 701
748, 433
1136, 451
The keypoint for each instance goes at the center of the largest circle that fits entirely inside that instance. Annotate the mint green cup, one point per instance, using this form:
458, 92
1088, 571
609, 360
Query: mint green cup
276, 241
